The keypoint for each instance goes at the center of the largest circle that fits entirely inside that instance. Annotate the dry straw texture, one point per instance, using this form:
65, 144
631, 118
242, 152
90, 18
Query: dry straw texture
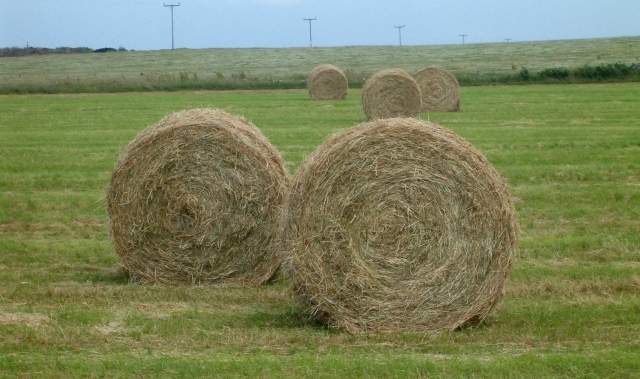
327, 82
391, 93
440, 90
194, 199
399, 225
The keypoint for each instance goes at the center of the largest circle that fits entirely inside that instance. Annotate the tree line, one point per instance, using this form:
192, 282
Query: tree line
25, 51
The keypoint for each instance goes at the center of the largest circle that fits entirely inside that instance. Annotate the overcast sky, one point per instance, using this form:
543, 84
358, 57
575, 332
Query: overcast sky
145, 24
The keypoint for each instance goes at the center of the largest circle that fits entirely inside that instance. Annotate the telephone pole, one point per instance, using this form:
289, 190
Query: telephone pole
171, 6
310, 20
400, 27
464, 36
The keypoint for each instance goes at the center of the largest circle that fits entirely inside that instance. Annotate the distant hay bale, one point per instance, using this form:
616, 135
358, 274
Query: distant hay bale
195, 199
391, 93
440, 90
327, 82
398, 225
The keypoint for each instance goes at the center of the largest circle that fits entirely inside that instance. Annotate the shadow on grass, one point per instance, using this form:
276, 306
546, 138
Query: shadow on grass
115, 275
291, 318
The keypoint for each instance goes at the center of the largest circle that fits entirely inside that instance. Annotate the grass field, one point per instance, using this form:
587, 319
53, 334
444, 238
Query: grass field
572, 309
213, 68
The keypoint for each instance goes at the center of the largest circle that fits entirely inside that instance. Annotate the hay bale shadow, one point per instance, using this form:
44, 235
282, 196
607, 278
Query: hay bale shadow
115, 275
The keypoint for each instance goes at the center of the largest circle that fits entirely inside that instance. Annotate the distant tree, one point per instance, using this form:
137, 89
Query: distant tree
105, 50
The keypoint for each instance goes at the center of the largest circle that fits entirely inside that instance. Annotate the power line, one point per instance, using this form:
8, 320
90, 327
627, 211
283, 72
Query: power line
310, 20
464, 36
171, 6
400, 27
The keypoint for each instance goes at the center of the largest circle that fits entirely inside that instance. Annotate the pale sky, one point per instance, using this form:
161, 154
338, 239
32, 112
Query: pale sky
145, 24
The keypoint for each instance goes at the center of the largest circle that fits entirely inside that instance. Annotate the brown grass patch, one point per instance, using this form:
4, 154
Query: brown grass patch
29, 319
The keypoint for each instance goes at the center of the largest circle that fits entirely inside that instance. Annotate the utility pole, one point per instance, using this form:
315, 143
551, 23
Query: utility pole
400, 27
464, 36
310, 20
171, 6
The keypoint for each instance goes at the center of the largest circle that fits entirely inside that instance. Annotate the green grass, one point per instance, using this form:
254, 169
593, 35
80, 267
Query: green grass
572, 309
288, 68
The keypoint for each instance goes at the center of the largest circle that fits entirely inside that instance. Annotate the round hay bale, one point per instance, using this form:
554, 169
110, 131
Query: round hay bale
440, 90
391, 93
196, 198
398, 225
327, 82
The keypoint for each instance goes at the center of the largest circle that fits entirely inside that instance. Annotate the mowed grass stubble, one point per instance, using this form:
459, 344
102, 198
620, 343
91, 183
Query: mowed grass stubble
572, 304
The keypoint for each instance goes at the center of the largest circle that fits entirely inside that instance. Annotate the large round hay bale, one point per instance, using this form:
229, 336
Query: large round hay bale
196, 198
327, 82
440, 90
399, 224
391, 93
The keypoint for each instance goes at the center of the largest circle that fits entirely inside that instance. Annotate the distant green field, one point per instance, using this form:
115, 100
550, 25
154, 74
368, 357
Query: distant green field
220, 68
572, 307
